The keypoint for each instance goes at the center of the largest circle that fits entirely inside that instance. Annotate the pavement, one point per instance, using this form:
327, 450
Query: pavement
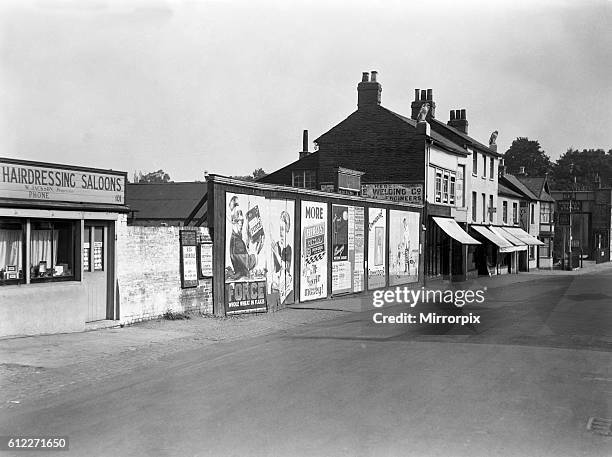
329, 382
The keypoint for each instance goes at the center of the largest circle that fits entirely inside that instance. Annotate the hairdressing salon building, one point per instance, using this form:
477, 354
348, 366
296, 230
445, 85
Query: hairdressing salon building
57, 246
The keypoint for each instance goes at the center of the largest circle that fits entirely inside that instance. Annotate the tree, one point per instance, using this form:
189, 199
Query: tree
527, 153
159, 176
587, 166
257, 174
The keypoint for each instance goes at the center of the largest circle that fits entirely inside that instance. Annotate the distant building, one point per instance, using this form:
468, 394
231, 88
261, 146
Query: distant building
590, 218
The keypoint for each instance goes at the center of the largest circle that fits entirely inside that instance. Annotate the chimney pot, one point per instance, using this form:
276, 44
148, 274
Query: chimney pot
373, 78
429, 94
452, 115
305, 141
423, 95
462, 114
365, 77
416, 95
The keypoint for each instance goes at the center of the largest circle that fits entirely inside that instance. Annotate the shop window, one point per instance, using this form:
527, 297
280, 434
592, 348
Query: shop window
11, 251
532, 250
51, 250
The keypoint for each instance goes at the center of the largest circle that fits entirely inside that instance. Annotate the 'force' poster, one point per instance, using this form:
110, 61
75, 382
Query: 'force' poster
404, 229
245, 253
280, 260
347, 248
377, 227
313, 284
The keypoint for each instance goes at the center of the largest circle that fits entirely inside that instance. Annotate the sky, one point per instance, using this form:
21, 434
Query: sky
228, 86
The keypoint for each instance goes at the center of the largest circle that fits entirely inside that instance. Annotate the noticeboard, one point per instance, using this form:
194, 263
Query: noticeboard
206, 260
189, 264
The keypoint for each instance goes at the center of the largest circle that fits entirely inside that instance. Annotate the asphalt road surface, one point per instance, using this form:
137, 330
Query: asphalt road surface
522, 382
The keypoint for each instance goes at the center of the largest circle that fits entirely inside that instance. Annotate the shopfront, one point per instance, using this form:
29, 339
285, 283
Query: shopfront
57, 246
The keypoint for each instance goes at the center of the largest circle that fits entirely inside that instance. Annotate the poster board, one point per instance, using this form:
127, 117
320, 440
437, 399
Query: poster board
347, 249
313, 261
245, 253
281, 253
377, 251
404, 239
188, 258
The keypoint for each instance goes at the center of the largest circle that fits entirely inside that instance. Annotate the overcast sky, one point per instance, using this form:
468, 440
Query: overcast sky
228, 86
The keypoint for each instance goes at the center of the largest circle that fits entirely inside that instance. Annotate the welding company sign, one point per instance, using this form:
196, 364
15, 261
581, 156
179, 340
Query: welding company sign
53, 183
404, 193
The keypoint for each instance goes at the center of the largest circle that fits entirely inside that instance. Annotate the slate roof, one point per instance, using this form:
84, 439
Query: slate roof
503, 190
173, 200
517, 185
435, 136
469, 140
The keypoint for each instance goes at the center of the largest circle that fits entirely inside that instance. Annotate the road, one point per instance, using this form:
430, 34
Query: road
522, 382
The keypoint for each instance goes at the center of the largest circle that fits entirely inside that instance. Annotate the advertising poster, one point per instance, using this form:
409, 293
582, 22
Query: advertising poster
280, 271
313, 284
377, 250
404, 228
347, 248
245, 253
188, 259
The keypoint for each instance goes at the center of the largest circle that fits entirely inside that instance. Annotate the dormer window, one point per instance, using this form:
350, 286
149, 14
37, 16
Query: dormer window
349, 181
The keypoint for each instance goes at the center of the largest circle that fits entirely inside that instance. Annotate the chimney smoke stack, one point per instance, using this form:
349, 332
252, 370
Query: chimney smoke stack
304, 152
422, 96
458, 120
368, 90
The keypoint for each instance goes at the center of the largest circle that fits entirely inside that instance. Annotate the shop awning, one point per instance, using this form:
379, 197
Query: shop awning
452, 229
524, 236
492, 237
518, 244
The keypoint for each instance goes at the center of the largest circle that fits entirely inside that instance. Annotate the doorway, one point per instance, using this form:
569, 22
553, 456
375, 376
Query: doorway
96, 269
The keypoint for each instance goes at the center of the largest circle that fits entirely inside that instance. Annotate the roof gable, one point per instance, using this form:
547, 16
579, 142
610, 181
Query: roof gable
452, 133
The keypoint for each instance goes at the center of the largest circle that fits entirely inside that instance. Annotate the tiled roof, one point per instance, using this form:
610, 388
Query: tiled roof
536, 186
518, 185
503, 190
173, 200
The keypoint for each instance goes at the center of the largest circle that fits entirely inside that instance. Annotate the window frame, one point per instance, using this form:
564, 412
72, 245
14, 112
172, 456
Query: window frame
515, 213
75, 252
505, 211
23, 265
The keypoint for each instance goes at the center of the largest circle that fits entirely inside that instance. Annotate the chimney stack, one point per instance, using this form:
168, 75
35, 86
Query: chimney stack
422, 96
458, 120
368, 90
304, 151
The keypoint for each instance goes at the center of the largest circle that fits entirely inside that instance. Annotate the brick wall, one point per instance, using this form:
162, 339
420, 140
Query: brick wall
148, 274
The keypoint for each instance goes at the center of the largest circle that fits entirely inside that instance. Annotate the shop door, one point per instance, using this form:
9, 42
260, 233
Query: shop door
95, 270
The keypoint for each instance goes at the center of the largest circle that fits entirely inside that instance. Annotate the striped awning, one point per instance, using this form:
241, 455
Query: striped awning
524, 236
497, 240
454, 230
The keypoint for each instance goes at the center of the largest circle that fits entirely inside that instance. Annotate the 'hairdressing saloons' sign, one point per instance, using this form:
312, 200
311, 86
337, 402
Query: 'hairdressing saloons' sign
54, 183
